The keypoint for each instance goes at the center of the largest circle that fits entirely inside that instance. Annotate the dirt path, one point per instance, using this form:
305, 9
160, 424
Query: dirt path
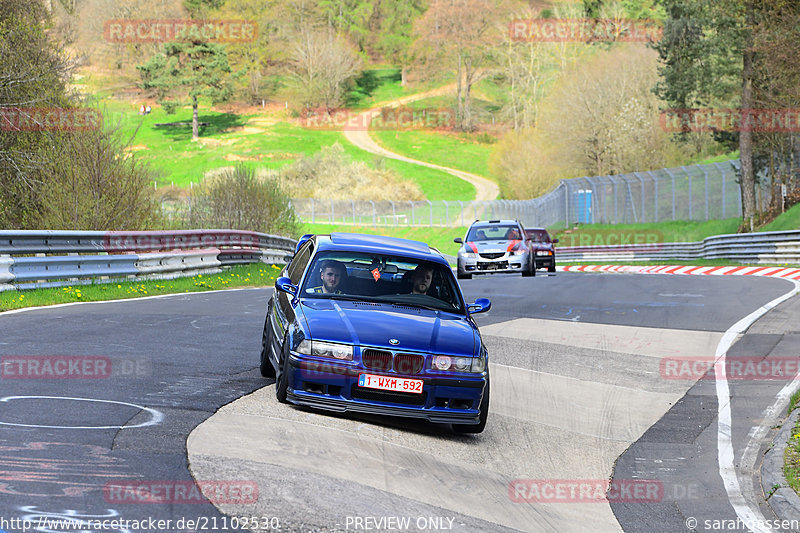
486, 189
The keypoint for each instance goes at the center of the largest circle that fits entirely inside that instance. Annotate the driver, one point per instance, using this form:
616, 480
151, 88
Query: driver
421, 279
332, 273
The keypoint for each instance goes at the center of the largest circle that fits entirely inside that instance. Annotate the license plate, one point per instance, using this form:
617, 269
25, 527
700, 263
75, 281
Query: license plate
372, 381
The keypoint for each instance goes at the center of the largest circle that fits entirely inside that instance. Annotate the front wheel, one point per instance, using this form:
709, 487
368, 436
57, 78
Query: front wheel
552, 267
267, 370
484, 415
282, 381
531, 269
459, 275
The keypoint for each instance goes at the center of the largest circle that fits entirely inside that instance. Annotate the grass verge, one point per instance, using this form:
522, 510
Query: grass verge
255, 275
791, 456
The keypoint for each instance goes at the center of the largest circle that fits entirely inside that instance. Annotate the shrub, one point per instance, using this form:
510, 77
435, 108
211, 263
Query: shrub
237, 199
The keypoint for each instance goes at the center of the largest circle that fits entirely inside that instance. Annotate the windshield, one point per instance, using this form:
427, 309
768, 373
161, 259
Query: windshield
493, 233
382, 278
537, 235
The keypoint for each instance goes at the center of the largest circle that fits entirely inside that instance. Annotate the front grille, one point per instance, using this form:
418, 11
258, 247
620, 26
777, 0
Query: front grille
500, 265
377, 359
493, 255
405, 398
408, 363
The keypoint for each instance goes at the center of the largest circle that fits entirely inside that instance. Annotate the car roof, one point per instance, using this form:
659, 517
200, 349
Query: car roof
481, 223
536, 229
358, 242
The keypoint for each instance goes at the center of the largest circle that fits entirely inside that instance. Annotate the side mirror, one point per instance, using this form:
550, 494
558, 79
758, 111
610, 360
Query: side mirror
458, 240
284, 284
555, 241
302, 241
481, 305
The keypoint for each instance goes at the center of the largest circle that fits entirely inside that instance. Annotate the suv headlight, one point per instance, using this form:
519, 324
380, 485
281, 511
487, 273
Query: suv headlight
343, 352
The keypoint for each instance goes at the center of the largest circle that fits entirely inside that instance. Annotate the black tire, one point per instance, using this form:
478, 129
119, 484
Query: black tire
267, 370
552, 267
282, 381
484, 408
459, 275
531, 270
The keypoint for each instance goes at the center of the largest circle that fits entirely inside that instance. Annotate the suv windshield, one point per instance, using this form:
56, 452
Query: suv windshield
383, 278
493, 233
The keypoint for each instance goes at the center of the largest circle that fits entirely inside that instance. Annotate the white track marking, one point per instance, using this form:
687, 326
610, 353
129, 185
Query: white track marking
725, 455
155, 416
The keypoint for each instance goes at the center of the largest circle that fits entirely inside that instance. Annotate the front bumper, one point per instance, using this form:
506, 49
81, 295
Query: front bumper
334, 387
482, 265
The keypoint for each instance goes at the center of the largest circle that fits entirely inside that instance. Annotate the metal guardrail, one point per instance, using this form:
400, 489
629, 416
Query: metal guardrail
781, 247
28, 259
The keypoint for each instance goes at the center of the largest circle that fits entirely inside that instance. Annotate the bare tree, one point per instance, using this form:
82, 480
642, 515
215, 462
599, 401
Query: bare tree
458, 36
323, 65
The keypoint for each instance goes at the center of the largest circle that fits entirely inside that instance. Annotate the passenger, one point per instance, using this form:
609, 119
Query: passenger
332, 274
421, 279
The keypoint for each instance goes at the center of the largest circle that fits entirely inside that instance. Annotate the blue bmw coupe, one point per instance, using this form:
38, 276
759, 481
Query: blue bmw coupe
372, 324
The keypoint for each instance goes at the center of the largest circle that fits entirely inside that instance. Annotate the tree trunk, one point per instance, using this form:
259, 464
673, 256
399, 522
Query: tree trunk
195, 121
459, 102
746, 133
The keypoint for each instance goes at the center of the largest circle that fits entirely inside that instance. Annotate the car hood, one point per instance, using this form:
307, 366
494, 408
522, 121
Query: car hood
373, 324
490, 246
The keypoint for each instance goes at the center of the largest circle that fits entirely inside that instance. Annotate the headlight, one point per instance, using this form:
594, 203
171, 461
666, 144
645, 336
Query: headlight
342, 352
544, 252
458, 364
519, 251
468, 255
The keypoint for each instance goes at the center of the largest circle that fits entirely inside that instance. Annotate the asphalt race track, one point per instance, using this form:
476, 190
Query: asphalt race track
578, 386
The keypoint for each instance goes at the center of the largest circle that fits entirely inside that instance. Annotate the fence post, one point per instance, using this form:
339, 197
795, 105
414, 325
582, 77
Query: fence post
374, 214
333, 216
566, 204
353, 204
430, 205
394, 214
655, 195
641, 182
461, 206
705, 173
691, 217
413, 221
312, 210
722, 174
446, 214
614, 192
671, 175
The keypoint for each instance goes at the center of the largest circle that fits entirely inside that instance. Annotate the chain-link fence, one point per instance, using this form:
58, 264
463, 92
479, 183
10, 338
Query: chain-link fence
698, 192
